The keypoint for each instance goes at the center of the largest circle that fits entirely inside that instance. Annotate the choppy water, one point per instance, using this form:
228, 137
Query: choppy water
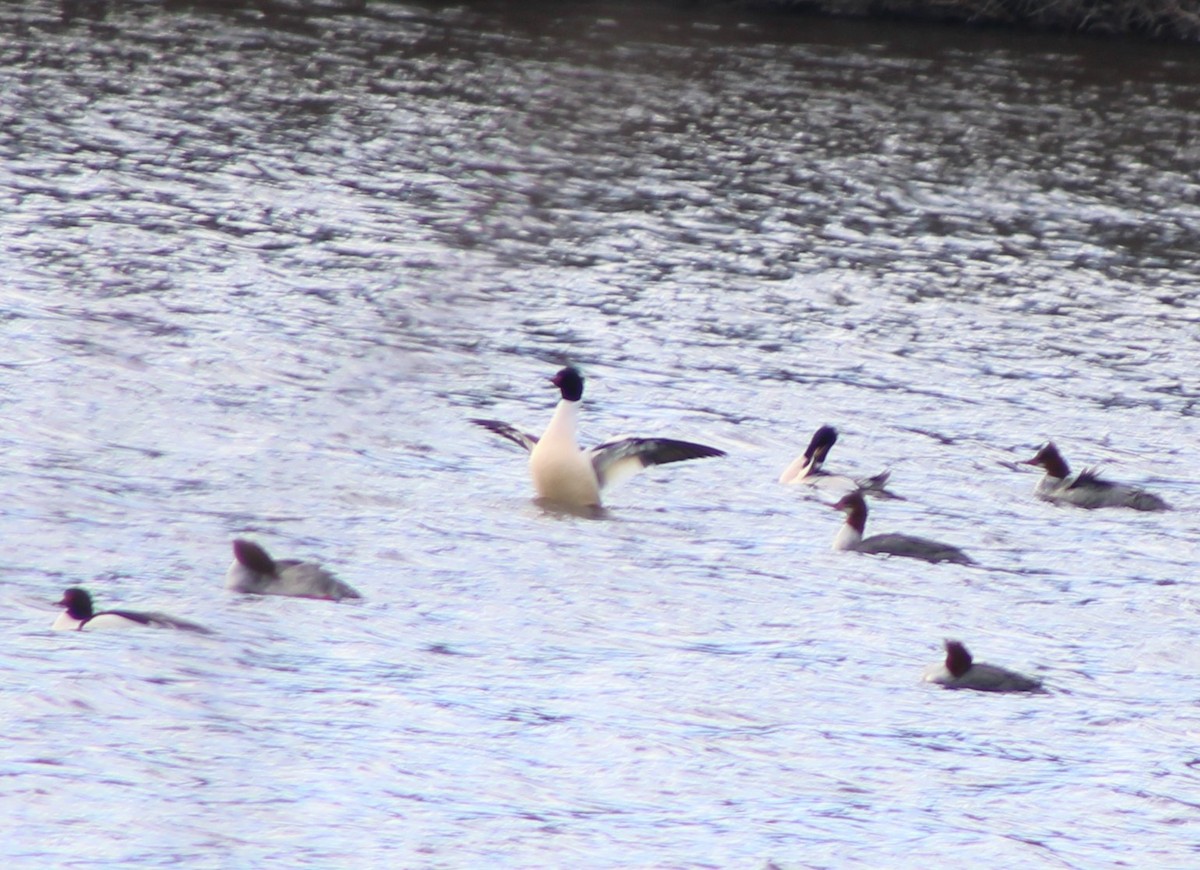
258, 273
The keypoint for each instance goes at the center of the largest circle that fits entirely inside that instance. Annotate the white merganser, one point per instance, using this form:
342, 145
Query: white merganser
1086, 489
254, 571
850, 537
959, 671
564, 474
80, 615
806, 469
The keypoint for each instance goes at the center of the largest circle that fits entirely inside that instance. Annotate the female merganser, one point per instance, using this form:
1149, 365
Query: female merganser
960, 672
1086, 489
567, 475
256, 572
806, 469
81, 615
850, 537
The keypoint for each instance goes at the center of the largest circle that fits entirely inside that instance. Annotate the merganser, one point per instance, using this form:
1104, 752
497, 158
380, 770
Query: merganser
806, 469
80, 615
564, 474
1086, 489
961, 672
850, 537
254, 571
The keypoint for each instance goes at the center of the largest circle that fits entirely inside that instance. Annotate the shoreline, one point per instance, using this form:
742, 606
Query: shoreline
1166, 20
1175, 21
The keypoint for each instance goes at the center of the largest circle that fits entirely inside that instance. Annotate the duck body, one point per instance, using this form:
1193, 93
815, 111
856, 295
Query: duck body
254, 571
1086, 489
807, 466
565, 474
81, 615
960, 671
561, 471
850, 537
806, 470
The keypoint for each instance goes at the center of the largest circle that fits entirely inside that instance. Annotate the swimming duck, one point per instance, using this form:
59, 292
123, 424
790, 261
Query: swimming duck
850, 537
960, 671
1086, 489
254, 571
81, 615
564, 474
806, 469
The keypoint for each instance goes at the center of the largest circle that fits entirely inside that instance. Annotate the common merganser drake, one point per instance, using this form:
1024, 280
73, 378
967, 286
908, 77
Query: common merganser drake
960, 671
254, 571
850, 537
564, 474
1087, 489
81, 615
806, 469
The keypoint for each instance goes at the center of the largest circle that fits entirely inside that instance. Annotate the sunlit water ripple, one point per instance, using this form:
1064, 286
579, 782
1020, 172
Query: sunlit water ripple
261, 272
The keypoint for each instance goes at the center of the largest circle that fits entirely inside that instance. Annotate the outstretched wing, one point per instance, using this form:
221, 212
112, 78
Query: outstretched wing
615, 461
510, 432
877, 486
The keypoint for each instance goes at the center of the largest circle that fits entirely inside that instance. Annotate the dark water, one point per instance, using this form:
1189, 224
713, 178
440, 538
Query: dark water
259, 271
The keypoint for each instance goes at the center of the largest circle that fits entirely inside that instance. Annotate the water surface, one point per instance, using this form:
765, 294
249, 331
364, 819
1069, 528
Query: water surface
260, 272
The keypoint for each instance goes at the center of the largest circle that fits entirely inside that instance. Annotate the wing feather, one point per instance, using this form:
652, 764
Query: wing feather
154, 620
914, 547
512, 433
615, 461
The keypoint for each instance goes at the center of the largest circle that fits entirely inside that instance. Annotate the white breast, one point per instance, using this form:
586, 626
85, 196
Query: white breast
847, 538
65, 622
562, 472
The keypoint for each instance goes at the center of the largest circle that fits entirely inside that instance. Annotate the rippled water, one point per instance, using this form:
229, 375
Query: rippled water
259, 272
